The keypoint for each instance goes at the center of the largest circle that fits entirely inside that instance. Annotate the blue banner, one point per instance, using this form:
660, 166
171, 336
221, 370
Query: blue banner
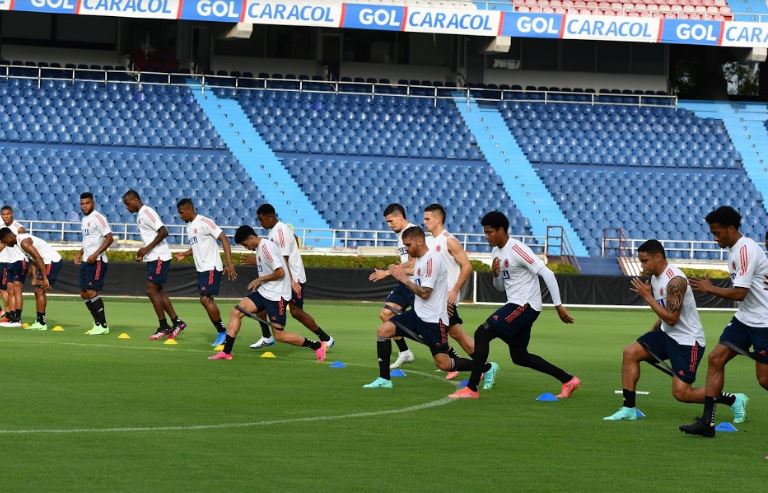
379, 17
532, 25
212, 10
48, 6
692, 32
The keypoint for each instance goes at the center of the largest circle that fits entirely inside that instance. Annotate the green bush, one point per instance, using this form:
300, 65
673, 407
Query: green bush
710, 273
558, 268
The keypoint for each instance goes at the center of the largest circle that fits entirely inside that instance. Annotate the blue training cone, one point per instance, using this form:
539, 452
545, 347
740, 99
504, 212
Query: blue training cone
398, 373
337, 364
726, 427
639, 413
463, 383
547, 397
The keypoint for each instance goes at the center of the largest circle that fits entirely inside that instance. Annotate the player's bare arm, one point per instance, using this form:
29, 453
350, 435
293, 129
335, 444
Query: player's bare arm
162, 234
398, 272
182, 255
706, 286
673, 304
496, 266
32, 252
229, 268
460, 256
105, 243
378, 275
78, 257
278, 273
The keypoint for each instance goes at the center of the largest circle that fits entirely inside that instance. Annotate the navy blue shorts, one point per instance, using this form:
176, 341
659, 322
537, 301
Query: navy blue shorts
512, 324
157, 271
402, 296
683, 359
92, 275
435, 335
209, 282
744, 336
298, 301
3, 276
275, 309
17, 271
52, 271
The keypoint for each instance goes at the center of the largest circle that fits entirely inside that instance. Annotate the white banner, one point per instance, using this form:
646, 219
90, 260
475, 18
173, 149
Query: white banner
612, 28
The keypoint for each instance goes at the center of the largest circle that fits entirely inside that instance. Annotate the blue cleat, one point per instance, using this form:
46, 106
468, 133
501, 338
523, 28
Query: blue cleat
489, 379
379, 383
739, 408
623, 414
219, 339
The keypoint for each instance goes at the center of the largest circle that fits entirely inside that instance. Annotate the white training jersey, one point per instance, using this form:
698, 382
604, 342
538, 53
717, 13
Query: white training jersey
401, 250
749, 267
439, 244
282, 235
94, 228
46, 251
149, 223
518, 274
688, 330
10, 255
203, 235
430, 272
268, 260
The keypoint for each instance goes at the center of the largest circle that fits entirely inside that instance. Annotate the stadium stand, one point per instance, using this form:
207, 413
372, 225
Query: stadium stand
681, 9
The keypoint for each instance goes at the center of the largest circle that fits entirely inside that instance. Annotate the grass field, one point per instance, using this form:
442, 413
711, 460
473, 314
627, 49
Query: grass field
104, 414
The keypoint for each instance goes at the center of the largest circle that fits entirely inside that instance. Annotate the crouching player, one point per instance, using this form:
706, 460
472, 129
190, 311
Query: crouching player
677, 336
429, 318
271, 292
47, 263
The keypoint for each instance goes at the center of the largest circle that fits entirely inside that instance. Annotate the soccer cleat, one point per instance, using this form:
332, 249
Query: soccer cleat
698, 427
464, 393
177, 328
568, 388
99, 331
221, 355
320, 352
450, 375
739, 408
220, 338
402, 358
623, 414
263, 342
89, 332
38, 326
379, 383
330, 343
8, 323
489, 378
160, 333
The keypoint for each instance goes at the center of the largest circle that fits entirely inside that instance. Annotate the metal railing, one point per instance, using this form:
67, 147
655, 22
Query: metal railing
677, 249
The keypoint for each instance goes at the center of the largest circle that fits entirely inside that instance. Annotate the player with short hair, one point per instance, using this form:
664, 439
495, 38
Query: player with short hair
92, 261
157, 256
14, 266
282, 235
677, 336
516, 270
203, 234
46, 264
748, 267
459, 270
429, 317
401, 298
271, 291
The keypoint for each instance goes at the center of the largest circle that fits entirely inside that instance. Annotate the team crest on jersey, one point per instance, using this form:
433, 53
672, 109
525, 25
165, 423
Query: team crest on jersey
437, 248
661, 292
418, 271
733, 264
506, 262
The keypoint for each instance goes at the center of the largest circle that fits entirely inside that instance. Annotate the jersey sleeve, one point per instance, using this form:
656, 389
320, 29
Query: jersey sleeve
746, 264
523, 256
104, 228
428, 277
284, 240
212, 228
152, 220
273, 257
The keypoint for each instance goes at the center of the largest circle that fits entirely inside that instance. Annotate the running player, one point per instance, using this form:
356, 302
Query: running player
14, 267
92, 260
677, 336
203, 234
282, 235
749, 326
45, 267
429, 316
459, 270
401, 298
270, 293
157, 256
516, 269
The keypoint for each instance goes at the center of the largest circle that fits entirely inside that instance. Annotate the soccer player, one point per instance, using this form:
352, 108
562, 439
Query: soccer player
271, 291
459, 270
429, 317
203, 234
157, 256
92, 260
401, 298
14, 265
516, 269
282, 235
677, 335
748, 327
46, 263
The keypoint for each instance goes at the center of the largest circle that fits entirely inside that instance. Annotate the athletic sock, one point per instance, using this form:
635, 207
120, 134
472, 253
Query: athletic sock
41, 318
384, 352
311, 344
709, 411
17, 316
452, 353
98, 311
164, 324
219, 326
229, 341
725, 398
322, 335
461, 364
629, 397
265, 332
480, 365
89, 305
176, 321
401, 345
